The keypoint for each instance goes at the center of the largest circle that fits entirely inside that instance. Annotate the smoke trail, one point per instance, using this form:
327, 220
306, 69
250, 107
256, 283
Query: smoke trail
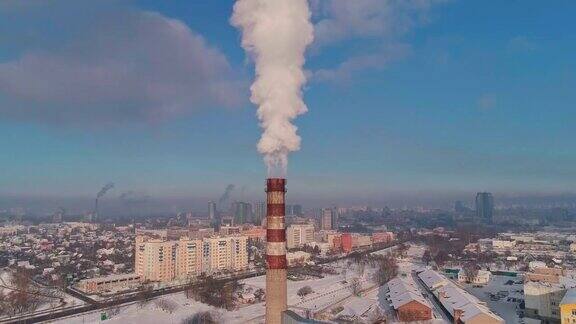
226, 195
104, 190
134, 198
276, 33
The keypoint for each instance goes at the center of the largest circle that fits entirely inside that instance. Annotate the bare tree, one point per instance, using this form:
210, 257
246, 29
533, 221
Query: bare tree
470, 271
304, 291
145, 295
202, 318
387, 269
259, 294
166, 305
356, 286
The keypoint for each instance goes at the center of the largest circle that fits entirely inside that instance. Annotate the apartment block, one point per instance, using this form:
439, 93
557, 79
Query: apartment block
299, 234
227, 253
164, 261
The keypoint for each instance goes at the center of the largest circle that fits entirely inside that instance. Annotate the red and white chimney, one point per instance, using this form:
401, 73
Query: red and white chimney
275, 250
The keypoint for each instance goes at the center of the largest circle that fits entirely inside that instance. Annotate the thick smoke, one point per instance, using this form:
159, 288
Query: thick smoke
104, 190
226, 195
276, 33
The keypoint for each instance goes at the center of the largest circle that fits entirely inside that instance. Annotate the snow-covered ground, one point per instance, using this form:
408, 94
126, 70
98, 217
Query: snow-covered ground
327, 292
506, 309
62, 301
332, 296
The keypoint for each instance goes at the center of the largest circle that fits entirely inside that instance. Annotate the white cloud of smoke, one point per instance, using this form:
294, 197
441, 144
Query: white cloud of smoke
276, 35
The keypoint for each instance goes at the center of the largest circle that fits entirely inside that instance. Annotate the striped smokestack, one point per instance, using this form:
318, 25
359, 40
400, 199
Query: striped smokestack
275, 250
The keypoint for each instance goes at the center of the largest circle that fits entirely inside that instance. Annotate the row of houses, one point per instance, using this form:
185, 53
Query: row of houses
407, 301
462, 306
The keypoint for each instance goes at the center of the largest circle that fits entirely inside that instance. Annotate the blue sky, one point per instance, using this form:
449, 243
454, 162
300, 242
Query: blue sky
411, 97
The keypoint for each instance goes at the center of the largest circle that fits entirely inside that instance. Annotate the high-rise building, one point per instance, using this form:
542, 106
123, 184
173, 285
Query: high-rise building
224, 253
259, 213
459, 207
155, 259
335, 214
242, 212
299, 234
484, 207
211, 210
326, 221
163, 260
294, 210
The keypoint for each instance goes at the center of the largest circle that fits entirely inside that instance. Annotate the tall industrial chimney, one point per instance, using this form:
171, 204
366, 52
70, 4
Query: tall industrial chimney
275, 250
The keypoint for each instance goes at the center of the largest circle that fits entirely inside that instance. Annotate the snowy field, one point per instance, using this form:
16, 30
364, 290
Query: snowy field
327, 292
63, 301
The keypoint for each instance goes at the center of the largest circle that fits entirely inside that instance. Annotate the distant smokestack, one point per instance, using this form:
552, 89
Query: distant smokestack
275, 250
99, 195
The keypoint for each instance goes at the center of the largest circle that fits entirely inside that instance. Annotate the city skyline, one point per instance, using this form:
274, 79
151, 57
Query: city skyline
491, 111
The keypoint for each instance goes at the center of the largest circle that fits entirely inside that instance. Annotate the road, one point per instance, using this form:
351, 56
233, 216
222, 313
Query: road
95, 305
438, 309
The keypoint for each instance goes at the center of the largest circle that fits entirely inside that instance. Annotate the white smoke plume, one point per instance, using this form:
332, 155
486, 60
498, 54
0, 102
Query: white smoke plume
276, 33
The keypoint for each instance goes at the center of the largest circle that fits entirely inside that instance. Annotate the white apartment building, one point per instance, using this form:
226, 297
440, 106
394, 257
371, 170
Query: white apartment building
224, 253
299, 234
163, 260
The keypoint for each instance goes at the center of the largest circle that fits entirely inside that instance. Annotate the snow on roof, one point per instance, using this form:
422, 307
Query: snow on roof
432, 279
403, 299
472, 310
403, 292
569, 298
455, 298
129, 276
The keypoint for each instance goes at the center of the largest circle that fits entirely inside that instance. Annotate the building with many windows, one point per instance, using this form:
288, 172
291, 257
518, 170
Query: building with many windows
484, 207
242, 212
299, 234
327, 219
164, 261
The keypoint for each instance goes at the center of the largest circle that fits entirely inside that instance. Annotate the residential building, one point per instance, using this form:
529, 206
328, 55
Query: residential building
407, 301
259, 213
461, 305
298, 235
542, 301
568, 307
229, 230
298, 257
544, 290
346, 241
503, 245
484, 207
294, 210
327, 218
224, 254
164, 261
242, 212
361, 241
382, 237
155, 259
211, 210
